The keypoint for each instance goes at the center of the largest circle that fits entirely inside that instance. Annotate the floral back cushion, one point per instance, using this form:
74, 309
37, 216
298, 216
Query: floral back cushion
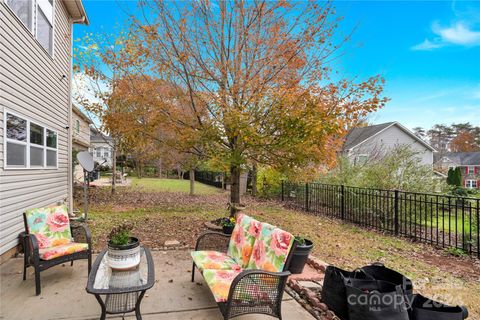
271, 249
50, 226
243, 238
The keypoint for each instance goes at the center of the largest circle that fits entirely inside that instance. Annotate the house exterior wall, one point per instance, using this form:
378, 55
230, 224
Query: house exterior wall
444, 164
80, 133
389, 139
105, 150
32, 86
469, 174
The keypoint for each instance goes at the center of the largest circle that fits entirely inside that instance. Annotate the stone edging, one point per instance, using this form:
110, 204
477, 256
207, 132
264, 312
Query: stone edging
307, 297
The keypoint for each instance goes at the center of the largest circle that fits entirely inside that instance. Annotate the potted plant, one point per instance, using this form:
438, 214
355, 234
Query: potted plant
300, 254
123, 251
227, 225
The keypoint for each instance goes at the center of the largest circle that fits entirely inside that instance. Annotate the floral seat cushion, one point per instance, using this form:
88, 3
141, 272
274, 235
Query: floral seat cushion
243, 238
271, 249
61, 250
214, 260
219, 282
50, 226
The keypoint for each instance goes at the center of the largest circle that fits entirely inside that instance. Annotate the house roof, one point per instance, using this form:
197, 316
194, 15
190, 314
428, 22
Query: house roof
76, 10
79, 113
459, 158
97, 136
357, 136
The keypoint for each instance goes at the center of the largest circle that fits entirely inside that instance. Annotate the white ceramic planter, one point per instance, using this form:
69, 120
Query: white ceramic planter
124, 257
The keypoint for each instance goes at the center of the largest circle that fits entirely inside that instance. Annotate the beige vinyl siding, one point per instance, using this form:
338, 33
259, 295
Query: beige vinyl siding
32, 86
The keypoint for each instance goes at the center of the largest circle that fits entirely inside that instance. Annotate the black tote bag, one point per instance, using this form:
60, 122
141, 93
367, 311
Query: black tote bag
375, 300
379, 272
334, 291
427, 309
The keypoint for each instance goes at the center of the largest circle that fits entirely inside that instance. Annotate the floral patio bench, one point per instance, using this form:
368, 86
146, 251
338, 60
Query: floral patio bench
245, 272
49, 240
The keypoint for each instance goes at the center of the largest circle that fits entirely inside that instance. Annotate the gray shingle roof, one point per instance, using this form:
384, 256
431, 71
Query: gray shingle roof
460, 158
97, 136
357, 135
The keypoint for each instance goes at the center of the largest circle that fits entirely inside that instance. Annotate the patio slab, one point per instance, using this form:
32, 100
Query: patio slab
64, 297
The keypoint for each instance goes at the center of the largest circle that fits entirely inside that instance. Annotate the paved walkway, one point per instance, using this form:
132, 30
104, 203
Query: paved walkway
64, 296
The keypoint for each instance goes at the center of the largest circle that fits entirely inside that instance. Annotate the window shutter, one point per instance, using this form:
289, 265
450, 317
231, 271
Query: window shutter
467, 170
476, 170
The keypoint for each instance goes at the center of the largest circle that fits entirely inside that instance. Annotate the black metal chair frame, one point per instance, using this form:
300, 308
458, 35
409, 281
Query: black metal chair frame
272, 284
32, 256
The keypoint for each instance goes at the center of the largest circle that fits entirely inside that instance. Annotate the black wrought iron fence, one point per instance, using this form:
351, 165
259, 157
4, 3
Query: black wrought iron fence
442, 220
207, 177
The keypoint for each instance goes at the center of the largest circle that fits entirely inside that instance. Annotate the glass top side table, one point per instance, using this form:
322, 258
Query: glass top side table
120, 292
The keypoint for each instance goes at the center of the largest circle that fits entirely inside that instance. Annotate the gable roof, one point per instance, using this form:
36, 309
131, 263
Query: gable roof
79, 113
98, 136
460, 158
357, 136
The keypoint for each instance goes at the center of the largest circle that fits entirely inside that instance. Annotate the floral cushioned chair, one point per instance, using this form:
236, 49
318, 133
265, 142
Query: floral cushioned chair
247, 271
48, 241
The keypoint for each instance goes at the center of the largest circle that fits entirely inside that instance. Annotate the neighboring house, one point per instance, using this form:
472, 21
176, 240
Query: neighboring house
101, 148
35, 109
364, 143
468, 162
80, 138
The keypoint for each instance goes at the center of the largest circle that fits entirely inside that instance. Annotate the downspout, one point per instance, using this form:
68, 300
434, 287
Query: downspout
70, 160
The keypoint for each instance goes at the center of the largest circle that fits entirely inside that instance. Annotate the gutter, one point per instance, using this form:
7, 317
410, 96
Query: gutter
81, 9
80, 21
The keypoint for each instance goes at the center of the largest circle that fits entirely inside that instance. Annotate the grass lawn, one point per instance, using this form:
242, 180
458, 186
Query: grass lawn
161, 216
171, 185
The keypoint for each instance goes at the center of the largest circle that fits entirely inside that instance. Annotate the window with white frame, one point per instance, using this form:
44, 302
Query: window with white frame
470, 169
106, 152
361, 159
77, 126
28, 144
37, 16
98, 152
471, 184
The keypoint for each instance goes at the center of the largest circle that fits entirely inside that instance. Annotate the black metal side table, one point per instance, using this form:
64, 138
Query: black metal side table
120, 292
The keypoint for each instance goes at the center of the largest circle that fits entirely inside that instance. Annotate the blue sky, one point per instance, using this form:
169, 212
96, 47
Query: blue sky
428, 52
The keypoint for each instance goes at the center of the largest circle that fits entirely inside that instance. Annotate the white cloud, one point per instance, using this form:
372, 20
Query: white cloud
427, 45
459, 34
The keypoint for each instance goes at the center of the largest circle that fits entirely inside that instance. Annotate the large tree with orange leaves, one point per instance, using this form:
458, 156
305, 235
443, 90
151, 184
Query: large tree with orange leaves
255, 81
464, 142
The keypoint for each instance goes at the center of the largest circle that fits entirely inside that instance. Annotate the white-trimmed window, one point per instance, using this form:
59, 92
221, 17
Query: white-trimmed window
472, 184
98, 152
37, 16
361, 159
470, 169
77, 126
106, 152
29, 145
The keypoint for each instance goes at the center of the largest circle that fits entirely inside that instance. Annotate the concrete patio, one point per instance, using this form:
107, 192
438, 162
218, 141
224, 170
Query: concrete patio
64, 296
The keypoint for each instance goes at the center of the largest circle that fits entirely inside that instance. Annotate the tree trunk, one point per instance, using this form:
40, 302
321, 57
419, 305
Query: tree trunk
159, 167
254, 180
114, 168
234, 187
192, 181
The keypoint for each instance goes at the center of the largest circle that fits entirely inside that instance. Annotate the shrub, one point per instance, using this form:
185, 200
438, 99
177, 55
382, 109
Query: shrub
269, 182
399, 169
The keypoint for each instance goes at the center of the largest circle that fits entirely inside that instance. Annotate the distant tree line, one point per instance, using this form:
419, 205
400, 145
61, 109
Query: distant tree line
460, 137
